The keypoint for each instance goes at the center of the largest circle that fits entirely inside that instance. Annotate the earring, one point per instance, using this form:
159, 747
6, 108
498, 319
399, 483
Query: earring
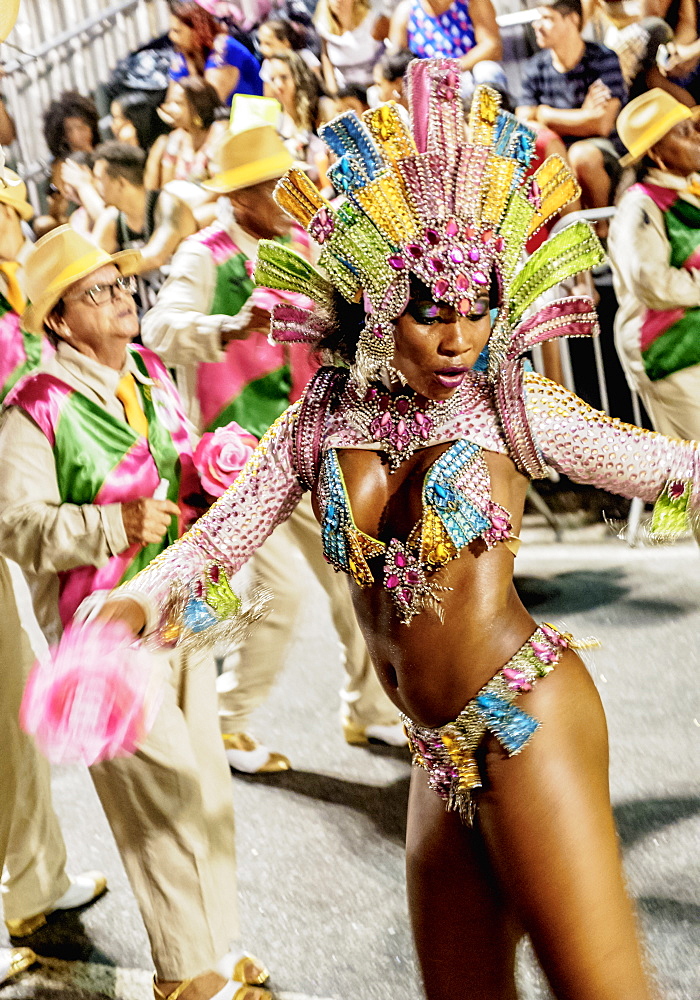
197, 122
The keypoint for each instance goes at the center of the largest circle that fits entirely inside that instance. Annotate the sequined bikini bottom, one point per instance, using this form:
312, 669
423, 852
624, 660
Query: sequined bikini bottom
448, 753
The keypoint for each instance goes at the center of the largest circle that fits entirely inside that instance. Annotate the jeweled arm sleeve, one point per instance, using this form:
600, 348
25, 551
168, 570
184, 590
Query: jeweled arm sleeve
185, 590
590, 447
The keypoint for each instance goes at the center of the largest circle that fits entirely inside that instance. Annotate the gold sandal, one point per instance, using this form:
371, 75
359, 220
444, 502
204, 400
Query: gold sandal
251, 979
246, 992
21, 959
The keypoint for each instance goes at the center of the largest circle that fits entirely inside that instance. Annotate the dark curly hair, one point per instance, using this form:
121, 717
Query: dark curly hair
70, 104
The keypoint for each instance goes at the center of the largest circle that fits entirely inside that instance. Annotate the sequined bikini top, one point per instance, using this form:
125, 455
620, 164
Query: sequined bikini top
457, 510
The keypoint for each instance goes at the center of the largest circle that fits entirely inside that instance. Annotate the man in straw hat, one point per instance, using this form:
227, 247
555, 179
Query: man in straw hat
655, 255
86, 444
211, 325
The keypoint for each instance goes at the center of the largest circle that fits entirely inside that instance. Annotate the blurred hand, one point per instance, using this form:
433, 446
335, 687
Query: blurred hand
259, 322
147, 520
76, 176
680, 62
123, 610
597, 96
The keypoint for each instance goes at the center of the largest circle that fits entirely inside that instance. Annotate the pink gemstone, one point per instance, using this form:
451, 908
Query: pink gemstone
474, 256
398, 263
378, 332
392, 581
462, 282
420, 418
487, 235
402, 405
479, 278
412, 577
500, 244
400, 560
407, 596
437, 265
469, 232
385, 418
401, 427
451, 228
432, 237
440, 287
464, 306
415, 250
456, 255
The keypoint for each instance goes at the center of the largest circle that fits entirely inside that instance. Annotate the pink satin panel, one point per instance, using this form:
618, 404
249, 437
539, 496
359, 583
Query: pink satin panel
11, 346
662, 197
656, 322
42, 398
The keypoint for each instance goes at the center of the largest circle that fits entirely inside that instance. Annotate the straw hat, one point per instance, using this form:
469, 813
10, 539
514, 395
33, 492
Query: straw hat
13, 192
248, 158
8, 15
56, 262
647, 119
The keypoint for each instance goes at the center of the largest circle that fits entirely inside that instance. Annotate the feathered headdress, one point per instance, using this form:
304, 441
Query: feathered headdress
447, 203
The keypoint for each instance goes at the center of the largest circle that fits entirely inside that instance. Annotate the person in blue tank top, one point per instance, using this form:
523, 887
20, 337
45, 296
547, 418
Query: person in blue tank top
455, 29
202, 49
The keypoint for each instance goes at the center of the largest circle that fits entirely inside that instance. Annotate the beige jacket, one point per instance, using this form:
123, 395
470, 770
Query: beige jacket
37, 531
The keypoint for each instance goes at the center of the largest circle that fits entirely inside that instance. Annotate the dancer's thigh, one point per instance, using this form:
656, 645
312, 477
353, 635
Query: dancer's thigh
464, 933
548, 827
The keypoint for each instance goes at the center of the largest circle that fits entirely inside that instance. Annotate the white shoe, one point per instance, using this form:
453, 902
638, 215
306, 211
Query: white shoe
244, 753
392, 736
83, 889
243, 968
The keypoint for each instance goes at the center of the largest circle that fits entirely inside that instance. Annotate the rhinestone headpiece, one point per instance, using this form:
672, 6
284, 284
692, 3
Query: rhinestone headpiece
445, 202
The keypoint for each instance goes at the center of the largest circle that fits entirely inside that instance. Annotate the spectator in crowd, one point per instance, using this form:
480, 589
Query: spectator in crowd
682, 65
351, 42
278, 35
655, 255
349, 98
575, 89
8, 132
457, 29
71, 125
203, 49
296, 88
35, 883
105, 436
152, 221
135, 120
389, 73
71, 196
186, 153
211, 325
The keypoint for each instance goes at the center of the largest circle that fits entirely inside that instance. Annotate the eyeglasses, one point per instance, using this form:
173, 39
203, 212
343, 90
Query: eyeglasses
102, 294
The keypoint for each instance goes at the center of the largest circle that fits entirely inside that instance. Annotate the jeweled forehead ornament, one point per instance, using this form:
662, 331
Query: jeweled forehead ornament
448, 204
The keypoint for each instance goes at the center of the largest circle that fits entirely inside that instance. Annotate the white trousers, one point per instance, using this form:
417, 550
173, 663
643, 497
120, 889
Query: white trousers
252, 668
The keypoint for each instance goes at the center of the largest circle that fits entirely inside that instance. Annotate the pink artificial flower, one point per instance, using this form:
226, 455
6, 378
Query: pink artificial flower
91, 698
220, 456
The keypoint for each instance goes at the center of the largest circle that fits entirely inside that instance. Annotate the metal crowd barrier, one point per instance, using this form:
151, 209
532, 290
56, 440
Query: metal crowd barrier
71, 45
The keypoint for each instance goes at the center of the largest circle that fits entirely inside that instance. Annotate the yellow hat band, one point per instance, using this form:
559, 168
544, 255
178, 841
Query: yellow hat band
251, 173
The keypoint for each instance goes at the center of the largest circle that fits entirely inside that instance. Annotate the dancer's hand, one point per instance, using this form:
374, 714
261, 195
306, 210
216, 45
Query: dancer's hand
123, 610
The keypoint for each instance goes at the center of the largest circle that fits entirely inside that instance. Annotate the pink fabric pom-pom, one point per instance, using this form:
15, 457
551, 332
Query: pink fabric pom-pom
220, 456
91, 698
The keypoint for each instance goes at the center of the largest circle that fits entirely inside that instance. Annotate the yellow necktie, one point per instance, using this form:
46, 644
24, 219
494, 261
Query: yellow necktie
128, 396
13, 294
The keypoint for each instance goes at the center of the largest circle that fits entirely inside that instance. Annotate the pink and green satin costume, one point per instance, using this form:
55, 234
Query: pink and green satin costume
670, 338
20, 352
101, 460
257, 380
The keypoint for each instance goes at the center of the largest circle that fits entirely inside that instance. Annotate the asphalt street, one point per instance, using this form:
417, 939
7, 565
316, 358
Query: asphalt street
321, 848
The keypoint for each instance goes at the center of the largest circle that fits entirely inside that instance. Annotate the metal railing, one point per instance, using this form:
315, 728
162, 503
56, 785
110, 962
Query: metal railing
71, 45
